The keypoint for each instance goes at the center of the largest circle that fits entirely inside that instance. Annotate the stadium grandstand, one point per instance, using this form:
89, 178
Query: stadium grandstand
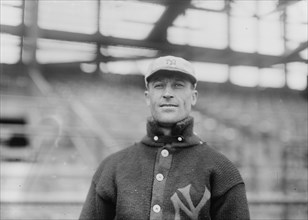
72, 93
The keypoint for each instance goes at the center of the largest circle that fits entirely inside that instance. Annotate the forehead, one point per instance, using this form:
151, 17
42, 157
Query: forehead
167, 75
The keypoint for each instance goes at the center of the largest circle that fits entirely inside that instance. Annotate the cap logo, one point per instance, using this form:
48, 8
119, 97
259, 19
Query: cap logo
171, 62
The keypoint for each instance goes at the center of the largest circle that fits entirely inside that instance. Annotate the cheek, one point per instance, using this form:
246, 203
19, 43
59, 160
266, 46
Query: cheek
187, 101
152, 101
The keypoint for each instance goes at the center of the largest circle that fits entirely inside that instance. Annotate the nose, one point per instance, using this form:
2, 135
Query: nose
168, 93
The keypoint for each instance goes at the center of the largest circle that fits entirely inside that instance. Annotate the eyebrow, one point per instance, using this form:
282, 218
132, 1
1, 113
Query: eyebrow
173, 78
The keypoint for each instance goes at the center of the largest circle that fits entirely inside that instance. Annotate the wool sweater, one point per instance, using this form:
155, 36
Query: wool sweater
167, 177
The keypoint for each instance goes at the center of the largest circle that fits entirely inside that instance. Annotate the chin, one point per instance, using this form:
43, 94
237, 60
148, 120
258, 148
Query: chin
168, 120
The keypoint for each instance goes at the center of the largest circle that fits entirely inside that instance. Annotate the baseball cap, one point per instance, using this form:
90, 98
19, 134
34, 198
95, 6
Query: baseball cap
171, 63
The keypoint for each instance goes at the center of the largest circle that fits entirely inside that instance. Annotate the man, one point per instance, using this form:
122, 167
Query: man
170, 173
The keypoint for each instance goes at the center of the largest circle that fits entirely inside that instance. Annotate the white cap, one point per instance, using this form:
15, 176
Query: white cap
172, 63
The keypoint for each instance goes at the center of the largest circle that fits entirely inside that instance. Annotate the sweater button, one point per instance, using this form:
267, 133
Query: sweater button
159, 177
156, 208
155, 138
180, 139
165, 153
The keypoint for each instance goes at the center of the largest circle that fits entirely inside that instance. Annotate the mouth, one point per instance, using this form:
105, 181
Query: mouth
168, 105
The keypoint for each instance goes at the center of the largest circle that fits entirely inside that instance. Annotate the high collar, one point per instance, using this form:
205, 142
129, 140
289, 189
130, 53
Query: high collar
181, 134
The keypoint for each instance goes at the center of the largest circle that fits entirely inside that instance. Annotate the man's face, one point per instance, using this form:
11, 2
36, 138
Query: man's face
170, 97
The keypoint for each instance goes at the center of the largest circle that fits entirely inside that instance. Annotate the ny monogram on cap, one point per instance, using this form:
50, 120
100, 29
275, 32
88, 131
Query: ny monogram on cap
171, 62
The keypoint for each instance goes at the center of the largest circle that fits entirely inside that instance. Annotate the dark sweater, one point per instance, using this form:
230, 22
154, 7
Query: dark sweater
175, 177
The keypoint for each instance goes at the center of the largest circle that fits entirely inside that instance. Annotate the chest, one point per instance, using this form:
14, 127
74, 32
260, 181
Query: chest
163, 185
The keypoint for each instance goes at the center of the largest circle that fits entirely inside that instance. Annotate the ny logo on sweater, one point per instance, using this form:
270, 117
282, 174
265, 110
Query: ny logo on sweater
192, 212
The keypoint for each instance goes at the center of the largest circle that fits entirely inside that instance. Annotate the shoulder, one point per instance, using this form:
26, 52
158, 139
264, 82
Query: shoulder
209, 160
210, 155
110, 163
104, 177
219, 160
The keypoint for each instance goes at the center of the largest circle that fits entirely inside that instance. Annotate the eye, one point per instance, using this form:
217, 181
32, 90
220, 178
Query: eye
179, 85
158, 85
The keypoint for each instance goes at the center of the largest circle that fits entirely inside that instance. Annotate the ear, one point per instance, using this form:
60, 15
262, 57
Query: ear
147, 99
194, 97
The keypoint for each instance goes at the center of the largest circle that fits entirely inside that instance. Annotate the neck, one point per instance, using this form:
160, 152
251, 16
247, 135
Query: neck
159, 135
166, 130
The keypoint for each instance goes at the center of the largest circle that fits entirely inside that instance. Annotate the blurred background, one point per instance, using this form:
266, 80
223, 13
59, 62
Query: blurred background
72, 93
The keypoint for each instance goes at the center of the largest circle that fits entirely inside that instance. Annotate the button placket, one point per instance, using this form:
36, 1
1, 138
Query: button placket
161, 169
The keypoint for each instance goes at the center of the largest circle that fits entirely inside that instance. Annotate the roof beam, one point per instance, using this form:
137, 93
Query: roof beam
225, 56
173, 10
294, 54
14, 30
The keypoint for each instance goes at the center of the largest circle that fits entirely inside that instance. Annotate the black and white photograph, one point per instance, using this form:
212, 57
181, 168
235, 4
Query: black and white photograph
154, 109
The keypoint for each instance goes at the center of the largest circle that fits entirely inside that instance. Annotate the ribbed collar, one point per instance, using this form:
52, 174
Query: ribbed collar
181, 134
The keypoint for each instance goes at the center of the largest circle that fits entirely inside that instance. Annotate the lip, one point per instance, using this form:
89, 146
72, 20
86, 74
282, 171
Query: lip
168, 105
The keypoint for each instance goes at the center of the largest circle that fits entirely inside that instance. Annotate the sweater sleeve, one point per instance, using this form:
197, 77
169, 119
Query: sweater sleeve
232, 205
95, 207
